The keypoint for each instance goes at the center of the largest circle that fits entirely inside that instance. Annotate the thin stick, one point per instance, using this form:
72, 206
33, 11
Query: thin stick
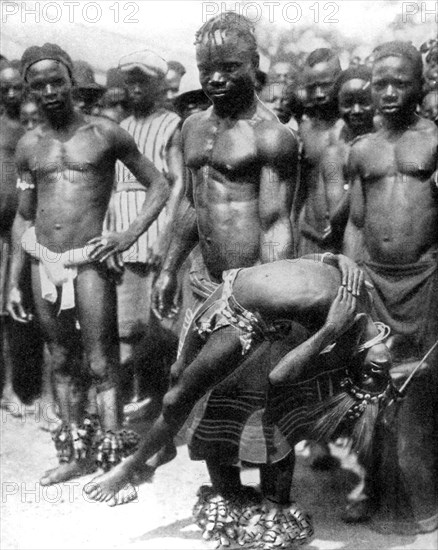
408, 380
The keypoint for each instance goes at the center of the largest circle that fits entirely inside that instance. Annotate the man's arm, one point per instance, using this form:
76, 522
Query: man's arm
341, 316
335, 183
184, 239
277, 188
353, 236
24, 219
144, 171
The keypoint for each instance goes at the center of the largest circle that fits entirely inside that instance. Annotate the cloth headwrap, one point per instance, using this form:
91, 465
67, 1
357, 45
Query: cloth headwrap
47, 51
397, 48
146, 61
361, 71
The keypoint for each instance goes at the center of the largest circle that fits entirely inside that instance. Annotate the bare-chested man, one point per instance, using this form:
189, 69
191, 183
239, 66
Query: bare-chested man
394, 205
11, 89
353, 90
317, 198
242, 164
66, 169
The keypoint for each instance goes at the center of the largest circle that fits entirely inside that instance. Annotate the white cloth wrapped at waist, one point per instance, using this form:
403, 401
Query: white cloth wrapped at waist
57, 269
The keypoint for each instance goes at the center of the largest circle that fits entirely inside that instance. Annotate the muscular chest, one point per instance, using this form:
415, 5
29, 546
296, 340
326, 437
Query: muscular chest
228, 150
80, 154
404, 159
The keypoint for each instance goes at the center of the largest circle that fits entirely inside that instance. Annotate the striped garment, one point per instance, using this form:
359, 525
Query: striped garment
152, 135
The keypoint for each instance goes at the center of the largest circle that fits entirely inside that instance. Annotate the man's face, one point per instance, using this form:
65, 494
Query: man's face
355, 104
282, 72
395, 87
29, 115
375, 369
143, 89
319, 81
11, 89
50, 82
226, 69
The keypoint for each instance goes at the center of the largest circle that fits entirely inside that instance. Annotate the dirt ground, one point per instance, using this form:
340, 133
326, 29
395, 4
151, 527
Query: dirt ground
60, 517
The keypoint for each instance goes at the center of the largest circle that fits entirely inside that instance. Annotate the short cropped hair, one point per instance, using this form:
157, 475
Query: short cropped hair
321, 55
230, 22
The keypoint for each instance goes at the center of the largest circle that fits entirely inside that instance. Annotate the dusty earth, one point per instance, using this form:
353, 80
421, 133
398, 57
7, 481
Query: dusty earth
60, 517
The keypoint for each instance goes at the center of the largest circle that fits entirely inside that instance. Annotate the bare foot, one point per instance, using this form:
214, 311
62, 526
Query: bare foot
66, 471
114, 487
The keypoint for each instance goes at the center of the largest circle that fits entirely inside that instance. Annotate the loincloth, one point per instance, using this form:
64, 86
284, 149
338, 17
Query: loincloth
406, 298
56, 269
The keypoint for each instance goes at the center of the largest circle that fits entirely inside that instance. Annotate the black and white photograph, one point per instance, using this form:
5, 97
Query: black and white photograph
219, 275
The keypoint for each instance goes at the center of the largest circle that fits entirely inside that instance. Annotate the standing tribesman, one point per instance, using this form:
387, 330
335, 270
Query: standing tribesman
156, 133
317, 199
353, 90
66, 169
242, 165
394, 205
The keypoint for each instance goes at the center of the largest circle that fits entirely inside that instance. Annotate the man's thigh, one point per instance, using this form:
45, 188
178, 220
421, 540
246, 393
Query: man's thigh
96, 306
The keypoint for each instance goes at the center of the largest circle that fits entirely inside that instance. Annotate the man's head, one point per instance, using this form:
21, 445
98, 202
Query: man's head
173, 79
282, 72
87, 92
375, 368
29, 114
48, 72
321, 70
11, 90
353, 89
227, 59
396, 79
145, 79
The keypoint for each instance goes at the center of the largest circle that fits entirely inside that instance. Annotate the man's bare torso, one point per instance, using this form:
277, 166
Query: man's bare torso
73, 172
225, 158
400, 213
317, 135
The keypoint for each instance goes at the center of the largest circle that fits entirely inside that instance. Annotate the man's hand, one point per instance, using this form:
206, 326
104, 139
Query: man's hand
353, 276
109, 244
163, 295
15, 307
341, 315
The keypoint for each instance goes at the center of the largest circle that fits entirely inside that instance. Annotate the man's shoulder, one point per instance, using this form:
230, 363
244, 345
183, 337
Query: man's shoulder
275, 138
194, 120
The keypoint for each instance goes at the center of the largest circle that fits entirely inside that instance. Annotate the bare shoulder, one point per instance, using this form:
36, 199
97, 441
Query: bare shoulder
193, 121
274, 140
